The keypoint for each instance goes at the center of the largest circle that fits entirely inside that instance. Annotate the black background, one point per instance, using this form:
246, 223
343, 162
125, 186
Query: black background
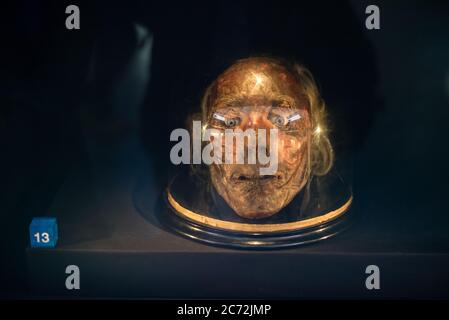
387, 90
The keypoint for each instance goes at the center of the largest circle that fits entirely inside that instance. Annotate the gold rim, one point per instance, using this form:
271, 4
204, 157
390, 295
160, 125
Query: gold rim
247, 227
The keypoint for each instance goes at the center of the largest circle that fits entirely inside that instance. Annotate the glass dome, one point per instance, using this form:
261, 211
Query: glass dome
262, 169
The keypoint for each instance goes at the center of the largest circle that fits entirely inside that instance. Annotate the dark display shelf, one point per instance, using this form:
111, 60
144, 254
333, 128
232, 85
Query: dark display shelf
122, 252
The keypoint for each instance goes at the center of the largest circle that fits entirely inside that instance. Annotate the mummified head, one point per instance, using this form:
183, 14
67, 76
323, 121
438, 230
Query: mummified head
267, 93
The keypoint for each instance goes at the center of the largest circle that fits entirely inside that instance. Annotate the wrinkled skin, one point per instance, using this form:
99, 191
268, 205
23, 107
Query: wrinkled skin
261, 93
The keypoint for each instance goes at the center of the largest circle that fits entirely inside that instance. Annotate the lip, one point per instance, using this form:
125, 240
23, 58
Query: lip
260, 179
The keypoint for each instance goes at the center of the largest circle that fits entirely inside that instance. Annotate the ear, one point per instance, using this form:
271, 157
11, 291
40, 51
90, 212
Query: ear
322, 156
206, 102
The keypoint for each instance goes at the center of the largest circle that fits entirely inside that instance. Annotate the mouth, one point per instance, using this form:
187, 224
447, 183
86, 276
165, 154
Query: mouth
261, 179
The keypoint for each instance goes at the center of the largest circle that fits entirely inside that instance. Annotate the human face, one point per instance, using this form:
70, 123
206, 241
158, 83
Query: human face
261, 94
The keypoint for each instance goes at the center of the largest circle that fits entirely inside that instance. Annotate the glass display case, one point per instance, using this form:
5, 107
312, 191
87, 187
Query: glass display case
225, 150
262, 168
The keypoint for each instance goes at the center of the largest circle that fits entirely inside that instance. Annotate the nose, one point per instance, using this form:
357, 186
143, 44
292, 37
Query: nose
257, 120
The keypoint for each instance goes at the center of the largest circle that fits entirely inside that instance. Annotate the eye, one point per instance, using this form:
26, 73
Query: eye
223, 121
278, 120
232, 122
